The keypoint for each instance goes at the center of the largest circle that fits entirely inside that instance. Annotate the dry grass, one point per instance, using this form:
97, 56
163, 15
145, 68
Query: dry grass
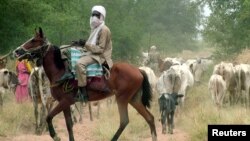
199, 112
243, 57
15, 118
136, 130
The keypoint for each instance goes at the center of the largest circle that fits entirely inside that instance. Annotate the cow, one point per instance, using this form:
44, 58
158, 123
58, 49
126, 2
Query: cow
39, 90
167, 103
151, 76
4, 79
187, 80
165, 64
243, 82
227, 71
198, 66
168, 86
217, 89
8, 81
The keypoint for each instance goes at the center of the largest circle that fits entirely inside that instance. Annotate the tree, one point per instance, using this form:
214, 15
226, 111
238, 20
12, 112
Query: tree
228, 25
135, 24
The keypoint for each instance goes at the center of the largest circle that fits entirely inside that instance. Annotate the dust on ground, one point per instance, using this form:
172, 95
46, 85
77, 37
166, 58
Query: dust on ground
85, 131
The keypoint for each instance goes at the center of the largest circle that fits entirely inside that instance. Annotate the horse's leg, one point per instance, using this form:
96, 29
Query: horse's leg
98, 109
58, 108
69, 123
78, 107
123, 112
147, 116
90, 111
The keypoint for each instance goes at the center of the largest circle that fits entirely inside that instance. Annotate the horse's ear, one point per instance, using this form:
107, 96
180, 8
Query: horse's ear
35, 31
41, 32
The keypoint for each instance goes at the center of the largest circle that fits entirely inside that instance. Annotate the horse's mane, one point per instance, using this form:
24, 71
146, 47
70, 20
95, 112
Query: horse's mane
58, 58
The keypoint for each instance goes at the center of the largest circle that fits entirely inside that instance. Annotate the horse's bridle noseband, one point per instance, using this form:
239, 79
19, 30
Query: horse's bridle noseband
37, 52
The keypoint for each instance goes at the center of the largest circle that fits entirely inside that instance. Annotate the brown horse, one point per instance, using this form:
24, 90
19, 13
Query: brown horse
125, 81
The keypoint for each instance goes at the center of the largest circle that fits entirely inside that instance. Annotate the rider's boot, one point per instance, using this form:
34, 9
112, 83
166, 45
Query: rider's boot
82, 95
67, 74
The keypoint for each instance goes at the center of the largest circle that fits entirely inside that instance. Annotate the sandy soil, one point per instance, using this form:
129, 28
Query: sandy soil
84, 132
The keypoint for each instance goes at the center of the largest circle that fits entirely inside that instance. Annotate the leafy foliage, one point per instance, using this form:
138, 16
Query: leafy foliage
135, 24
228, 26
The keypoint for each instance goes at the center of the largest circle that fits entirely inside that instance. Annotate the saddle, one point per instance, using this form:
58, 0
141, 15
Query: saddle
97, 74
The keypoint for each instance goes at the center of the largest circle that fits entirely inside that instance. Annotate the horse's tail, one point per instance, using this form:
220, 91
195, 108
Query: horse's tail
146, 90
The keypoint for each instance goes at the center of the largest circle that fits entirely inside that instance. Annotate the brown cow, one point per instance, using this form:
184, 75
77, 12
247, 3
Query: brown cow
227, 71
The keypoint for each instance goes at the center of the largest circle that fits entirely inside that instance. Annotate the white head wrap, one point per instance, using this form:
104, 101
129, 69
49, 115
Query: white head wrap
100, 9
96, 24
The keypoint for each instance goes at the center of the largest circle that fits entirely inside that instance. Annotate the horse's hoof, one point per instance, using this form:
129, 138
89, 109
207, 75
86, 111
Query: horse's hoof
163, 131
56, 138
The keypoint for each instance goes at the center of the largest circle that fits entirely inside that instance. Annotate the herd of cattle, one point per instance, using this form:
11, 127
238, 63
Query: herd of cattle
177, 76
173, 79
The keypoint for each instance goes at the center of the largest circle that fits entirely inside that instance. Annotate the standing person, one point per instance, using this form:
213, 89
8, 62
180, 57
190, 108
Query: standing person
23, 69
153, 58
99, 46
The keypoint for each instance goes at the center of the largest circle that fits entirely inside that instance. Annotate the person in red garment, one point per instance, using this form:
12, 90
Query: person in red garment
23, 69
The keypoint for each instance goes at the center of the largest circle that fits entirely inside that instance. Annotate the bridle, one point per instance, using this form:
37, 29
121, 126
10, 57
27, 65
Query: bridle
38, 52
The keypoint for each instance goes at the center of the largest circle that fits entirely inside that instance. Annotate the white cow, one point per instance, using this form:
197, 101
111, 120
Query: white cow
243, 82
198, 67
151, 76
187, 80
186, 77
4, 79
217, 89
39, 90
169, 82
8, 81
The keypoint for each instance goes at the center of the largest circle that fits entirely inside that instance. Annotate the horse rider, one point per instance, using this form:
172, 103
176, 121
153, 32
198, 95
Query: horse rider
153, 58
99, 46
153, 54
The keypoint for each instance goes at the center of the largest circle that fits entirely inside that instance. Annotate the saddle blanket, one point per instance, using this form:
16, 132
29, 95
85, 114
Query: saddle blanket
92, 69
